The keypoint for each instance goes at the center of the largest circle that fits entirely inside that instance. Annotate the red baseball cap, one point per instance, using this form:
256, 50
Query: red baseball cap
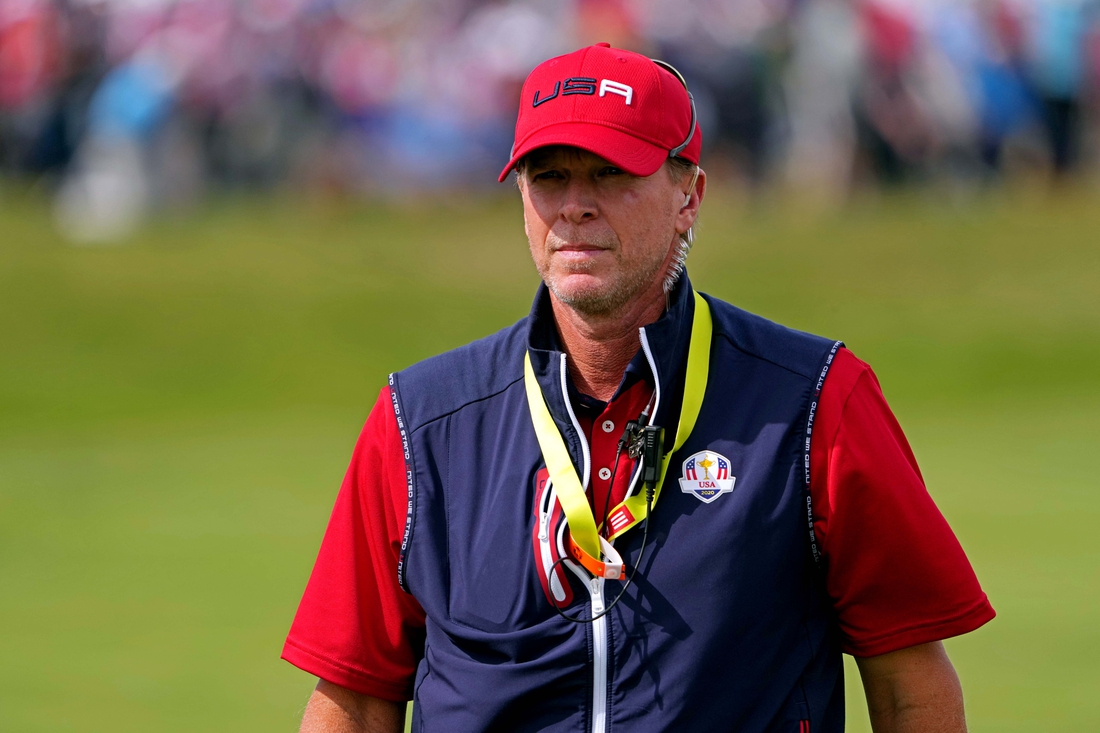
628, 109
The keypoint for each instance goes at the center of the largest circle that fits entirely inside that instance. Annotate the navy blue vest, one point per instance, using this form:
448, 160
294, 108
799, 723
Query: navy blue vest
726, 627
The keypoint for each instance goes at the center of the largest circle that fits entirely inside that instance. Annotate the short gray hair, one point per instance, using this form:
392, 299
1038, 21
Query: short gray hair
678, 168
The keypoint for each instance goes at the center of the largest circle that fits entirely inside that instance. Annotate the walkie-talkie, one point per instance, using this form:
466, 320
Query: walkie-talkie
653, 450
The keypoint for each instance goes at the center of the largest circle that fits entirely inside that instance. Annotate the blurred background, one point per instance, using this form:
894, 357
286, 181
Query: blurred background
127, 106
223, 223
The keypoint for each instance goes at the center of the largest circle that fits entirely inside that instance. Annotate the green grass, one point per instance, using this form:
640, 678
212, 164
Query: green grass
176, 415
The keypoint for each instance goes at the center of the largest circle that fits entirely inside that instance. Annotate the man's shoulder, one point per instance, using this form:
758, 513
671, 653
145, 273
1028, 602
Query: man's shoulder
447, 382
759, 338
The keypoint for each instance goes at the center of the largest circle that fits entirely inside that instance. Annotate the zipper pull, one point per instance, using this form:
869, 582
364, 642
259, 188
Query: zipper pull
596, 588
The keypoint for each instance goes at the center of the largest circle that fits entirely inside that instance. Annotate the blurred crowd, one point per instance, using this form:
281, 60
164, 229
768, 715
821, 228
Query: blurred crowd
129, 104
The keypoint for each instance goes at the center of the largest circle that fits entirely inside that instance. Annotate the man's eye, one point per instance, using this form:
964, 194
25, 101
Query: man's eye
610, 170
546, 176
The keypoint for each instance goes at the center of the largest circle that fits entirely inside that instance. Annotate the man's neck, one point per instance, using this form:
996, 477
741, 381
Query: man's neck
601, 346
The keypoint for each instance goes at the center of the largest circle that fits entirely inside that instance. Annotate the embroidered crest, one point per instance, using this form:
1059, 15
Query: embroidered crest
707, 476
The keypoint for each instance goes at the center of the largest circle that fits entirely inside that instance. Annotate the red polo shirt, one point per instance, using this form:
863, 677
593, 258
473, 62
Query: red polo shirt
894, 569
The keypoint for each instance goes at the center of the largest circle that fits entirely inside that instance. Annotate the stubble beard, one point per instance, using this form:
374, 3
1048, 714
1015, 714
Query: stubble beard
602, 299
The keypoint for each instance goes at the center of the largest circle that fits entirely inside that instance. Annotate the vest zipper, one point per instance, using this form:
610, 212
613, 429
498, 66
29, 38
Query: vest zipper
595, 587
599, 658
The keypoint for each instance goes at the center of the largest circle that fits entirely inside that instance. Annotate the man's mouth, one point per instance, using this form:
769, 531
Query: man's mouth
581, 248
578, 247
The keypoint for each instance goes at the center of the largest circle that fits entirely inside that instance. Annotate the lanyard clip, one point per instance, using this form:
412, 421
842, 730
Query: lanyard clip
610, 569
632, 439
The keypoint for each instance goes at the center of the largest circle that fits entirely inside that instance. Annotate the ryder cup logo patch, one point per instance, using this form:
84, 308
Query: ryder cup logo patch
707, 475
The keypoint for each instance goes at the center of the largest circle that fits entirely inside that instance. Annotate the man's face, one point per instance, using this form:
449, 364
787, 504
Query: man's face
598, 235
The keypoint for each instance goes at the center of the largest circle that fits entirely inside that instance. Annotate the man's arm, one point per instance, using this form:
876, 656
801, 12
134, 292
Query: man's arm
335, 709
355, 577
913, 690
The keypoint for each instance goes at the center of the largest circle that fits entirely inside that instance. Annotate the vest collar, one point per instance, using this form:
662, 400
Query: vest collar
668, 339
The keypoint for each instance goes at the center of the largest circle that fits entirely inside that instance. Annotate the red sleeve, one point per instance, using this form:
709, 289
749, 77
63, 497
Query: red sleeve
894, 569
355, 626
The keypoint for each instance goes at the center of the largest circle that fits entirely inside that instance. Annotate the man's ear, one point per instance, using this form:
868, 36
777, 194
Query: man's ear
689, 212
691, 186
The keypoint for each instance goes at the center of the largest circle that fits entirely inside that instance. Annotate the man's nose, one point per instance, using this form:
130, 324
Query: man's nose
579, 204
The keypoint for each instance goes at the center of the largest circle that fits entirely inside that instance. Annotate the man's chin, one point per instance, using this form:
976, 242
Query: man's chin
588, 294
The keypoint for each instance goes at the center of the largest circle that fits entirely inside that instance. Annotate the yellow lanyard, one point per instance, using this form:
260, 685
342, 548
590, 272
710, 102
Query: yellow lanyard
570, 491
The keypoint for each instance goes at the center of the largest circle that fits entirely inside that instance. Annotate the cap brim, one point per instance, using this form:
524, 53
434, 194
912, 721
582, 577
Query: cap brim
635, 156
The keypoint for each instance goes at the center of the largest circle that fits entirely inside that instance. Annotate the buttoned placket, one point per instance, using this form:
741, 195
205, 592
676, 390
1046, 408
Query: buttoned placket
604, 430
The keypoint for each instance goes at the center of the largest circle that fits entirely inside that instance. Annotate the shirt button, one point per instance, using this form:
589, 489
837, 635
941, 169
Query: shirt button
605, 473
608, 426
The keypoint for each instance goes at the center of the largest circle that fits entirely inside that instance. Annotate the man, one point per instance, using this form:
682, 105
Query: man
611, 516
